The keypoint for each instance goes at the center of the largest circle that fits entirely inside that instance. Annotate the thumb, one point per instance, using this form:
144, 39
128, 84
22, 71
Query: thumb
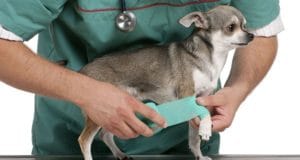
212, 100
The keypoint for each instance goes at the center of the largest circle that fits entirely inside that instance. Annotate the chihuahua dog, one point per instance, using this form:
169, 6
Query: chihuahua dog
173, 71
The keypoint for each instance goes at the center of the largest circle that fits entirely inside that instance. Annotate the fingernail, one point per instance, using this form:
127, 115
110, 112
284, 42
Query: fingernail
149, 134
200, 100
165, 125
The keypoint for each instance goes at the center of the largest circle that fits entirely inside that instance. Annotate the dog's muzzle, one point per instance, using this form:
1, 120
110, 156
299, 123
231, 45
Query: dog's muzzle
250, 37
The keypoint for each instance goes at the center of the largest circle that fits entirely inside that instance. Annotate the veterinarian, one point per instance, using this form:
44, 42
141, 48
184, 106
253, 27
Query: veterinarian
72, 33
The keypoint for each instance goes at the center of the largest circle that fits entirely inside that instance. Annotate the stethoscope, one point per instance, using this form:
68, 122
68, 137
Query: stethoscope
126, 20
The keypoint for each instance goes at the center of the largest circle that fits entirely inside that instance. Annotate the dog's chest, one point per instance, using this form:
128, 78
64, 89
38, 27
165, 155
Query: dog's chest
203, 83
206, 82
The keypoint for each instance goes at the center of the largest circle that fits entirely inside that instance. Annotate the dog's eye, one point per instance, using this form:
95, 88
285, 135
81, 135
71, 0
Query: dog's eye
244, 26
231, 27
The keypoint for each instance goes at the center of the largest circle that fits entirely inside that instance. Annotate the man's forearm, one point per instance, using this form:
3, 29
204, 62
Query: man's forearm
105, 104
250, 64
23, 69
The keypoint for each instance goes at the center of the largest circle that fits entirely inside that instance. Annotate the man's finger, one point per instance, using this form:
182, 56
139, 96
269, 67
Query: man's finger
116, 132
212, 100
138, 126
147, 112
127, 131
151, 114
122, 130
218, 124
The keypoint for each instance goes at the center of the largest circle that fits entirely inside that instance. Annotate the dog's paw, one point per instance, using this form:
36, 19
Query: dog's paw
203, 158
205, 128
205, 137
205, 133
125, 158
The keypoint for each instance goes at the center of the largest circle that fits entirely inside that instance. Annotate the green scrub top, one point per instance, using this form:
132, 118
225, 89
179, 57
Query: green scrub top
80, 30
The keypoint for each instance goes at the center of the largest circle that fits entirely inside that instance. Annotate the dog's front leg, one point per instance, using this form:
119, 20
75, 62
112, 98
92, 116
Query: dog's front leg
86, 138
195, 139
205, 128
108, 139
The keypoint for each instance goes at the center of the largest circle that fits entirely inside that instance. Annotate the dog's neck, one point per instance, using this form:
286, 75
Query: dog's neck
219, 57
211, 57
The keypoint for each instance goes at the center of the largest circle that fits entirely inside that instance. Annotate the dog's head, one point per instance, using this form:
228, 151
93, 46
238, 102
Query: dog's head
223, 26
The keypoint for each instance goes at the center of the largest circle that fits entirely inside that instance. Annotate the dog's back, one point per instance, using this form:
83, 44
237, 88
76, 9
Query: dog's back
145, 73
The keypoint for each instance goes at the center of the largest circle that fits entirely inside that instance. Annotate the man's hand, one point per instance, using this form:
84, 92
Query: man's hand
223, 106
250, 64
114, 110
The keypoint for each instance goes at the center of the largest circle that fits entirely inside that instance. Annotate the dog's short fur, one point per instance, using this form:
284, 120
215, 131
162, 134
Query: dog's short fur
169, 72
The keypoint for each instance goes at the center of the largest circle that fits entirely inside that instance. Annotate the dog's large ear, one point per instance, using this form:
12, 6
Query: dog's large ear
198, 18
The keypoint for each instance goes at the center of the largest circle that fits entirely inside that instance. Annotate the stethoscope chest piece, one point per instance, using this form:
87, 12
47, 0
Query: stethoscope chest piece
126, 21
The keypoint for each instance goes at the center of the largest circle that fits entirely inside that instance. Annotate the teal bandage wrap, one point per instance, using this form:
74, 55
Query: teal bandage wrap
176, 112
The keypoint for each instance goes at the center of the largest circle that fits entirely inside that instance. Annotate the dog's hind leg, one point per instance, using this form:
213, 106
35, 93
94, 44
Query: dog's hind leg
86, 138
108, 139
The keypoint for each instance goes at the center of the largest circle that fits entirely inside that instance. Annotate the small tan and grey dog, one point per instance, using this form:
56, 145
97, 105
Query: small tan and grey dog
173, 71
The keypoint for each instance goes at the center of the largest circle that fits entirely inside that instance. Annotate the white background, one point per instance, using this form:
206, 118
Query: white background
266, 123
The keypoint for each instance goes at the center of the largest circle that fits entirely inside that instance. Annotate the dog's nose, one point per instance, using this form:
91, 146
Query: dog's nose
250, 36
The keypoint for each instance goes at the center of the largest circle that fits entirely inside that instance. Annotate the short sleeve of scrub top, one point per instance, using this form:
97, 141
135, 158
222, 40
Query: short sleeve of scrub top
27, 18
258, 13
